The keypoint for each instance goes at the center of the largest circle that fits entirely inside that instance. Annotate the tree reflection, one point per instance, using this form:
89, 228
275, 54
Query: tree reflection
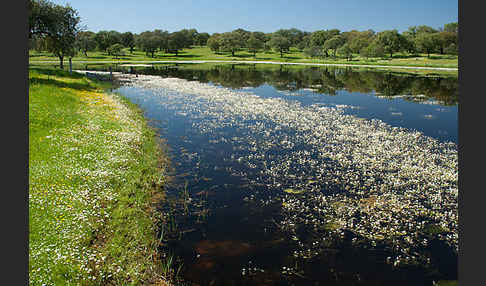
326, 80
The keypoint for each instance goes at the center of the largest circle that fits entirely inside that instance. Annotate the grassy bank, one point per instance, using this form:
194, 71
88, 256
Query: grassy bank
94, 170
294, 56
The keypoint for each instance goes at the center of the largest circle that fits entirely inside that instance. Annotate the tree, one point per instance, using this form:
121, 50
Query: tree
346, 51
162, 38
425, 29
254, 44
230, 42
192, 39
128, 40
333, 32
243, 36
293, 35
266, 42
260, 36
350, 35
428, 42
408, 43
358, 40
280, 44
213, 42
42, 18
85, 42
412, 31
62, 38
391, 41
202, 39
58, 24
116, 50
452, 27
305, 42
148, 42
318, 38
445, 40
177, 41
114, 37
38, 43
105, 39
333, 44
356, 44
313, 52
101, 39
451, 49
266, 46
373, 50
186, 38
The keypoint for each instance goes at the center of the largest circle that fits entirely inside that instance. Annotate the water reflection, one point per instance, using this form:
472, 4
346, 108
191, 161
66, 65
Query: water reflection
294, 192
327, 80
368, 94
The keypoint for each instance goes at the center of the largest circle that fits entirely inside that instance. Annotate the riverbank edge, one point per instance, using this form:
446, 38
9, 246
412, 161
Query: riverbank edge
384, 66
134, 217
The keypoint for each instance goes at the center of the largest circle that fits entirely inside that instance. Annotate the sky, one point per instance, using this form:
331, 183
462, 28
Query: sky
218, 16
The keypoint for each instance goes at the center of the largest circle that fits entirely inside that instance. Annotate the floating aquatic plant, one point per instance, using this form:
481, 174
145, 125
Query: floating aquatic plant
384, 184
293, 191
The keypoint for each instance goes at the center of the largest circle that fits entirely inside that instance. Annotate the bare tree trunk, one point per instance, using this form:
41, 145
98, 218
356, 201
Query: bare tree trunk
61, 62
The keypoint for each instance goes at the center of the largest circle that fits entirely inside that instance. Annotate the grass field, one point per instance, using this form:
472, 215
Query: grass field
204, 53
94, 168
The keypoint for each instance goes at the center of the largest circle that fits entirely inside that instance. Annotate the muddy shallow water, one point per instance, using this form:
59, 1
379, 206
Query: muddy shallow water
305, 177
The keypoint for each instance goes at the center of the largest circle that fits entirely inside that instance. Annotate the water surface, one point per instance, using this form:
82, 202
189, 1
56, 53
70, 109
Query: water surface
306, 176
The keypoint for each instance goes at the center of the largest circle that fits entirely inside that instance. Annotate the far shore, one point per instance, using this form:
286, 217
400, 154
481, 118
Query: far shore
128, 62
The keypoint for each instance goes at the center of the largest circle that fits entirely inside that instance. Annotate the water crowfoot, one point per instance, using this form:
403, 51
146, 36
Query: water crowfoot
334, 174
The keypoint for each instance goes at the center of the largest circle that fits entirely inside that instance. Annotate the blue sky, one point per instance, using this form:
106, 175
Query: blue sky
262, 15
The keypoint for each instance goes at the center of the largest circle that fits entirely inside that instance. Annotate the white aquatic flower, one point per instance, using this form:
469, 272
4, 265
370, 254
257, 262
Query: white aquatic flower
401, 168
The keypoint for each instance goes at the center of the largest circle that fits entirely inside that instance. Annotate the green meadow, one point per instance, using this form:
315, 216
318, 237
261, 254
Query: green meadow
95, 171
294, 56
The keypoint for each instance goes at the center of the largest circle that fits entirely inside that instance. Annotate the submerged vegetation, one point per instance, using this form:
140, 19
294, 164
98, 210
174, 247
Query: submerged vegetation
94, 169
336, 177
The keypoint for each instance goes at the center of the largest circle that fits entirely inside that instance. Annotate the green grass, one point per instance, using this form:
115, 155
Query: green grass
94, 168
204, 53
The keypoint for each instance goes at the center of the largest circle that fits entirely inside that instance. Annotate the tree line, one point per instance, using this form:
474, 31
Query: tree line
56, 28
329, 43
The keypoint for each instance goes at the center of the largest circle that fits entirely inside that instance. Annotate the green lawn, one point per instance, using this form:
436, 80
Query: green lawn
94, 167
204, 53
